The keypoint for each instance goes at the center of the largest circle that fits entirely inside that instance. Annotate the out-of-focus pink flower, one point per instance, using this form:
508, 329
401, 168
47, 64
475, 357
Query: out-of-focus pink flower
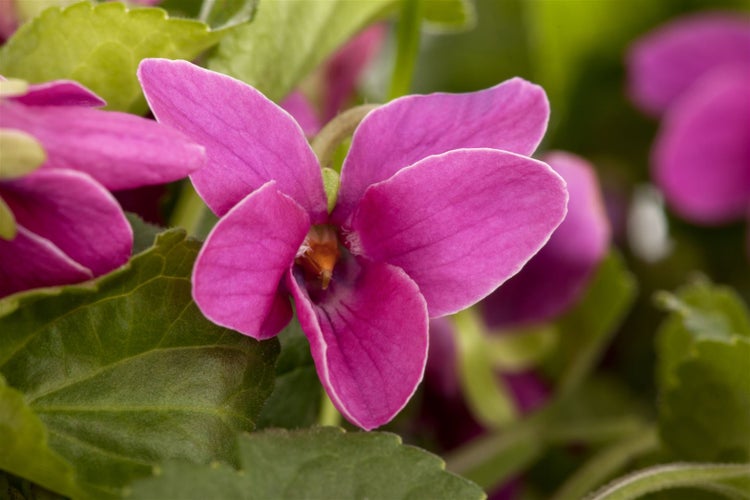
69, 228
555, 277
438, 205
338, 79
695, 72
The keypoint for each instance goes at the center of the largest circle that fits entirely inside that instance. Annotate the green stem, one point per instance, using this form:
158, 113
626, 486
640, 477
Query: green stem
329, 415
189, 211
407, 40
607, 463
679, 475
325, 143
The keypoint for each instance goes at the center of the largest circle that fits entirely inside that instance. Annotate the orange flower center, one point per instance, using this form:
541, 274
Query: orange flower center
319, 253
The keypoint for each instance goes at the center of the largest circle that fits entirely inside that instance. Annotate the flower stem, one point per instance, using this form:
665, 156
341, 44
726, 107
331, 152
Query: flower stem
680, 475
342, 126
607, 463
407, 40
189, 210
329, 415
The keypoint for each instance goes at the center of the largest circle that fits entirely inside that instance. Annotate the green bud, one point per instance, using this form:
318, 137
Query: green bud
8, 227
331, 183
20, 154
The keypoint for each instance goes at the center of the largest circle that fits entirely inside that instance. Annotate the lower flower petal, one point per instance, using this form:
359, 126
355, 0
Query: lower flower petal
60, 93
238, 271
30, 261
74, 212
460, 223
702, 154
368, 337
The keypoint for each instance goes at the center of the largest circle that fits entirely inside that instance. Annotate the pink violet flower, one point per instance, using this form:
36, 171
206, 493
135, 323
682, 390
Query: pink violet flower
695, 71
555, 278
69, 228
439, 204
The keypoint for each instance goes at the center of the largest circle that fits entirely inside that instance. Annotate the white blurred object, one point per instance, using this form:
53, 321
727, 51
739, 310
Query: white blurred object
647, 225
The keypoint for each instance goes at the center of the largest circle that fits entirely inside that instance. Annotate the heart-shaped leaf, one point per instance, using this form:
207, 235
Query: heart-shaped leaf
124, 372
322, 462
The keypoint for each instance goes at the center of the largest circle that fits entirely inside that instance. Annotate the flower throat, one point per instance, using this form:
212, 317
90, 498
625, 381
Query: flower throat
319, 253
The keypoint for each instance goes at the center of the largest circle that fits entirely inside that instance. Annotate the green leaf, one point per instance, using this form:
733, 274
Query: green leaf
144, 233
226, 13
586, 330
287, 40
706, 415
449, 15
124, 372
703, 350
295, 400
322, 462
712, 477
101, 45
25, 450
490, 401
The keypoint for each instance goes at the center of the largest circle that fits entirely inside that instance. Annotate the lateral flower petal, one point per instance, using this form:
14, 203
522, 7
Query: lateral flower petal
237, 273
60, 93
511, 116
75, 213
665, 63
556, 276
249, 140
460, 223
702, 154
119, 150
30, 261
368, 336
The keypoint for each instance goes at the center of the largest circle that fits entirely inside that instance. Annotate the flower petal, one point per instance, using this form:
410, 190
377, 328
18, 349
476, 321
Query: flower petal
702, 153
119, 150
60, 93
249, 140
556, 276
460, 223
666, 62
511, 116
297, 105
30, 261
237, 273
368, 337
75, 213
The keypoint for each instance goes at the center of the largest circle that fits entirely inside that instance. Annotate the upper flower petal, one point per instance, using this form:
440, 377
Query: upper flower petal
702, 153
249, 140
368, 337
460, 223
237, 274
511, 116
75, 213
119, 150
60, 93
555, 277
30, 261
663, 64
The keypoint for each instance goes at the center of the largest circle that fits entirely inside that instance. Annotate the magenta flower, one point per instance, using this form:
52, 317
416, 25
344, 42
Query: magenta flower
557, 276
68, 227
438, 205
696, 72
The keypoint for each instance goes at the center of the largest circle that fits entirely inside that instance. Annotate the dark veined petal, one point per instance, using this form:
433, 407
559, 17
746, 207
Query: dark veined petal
368, 336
